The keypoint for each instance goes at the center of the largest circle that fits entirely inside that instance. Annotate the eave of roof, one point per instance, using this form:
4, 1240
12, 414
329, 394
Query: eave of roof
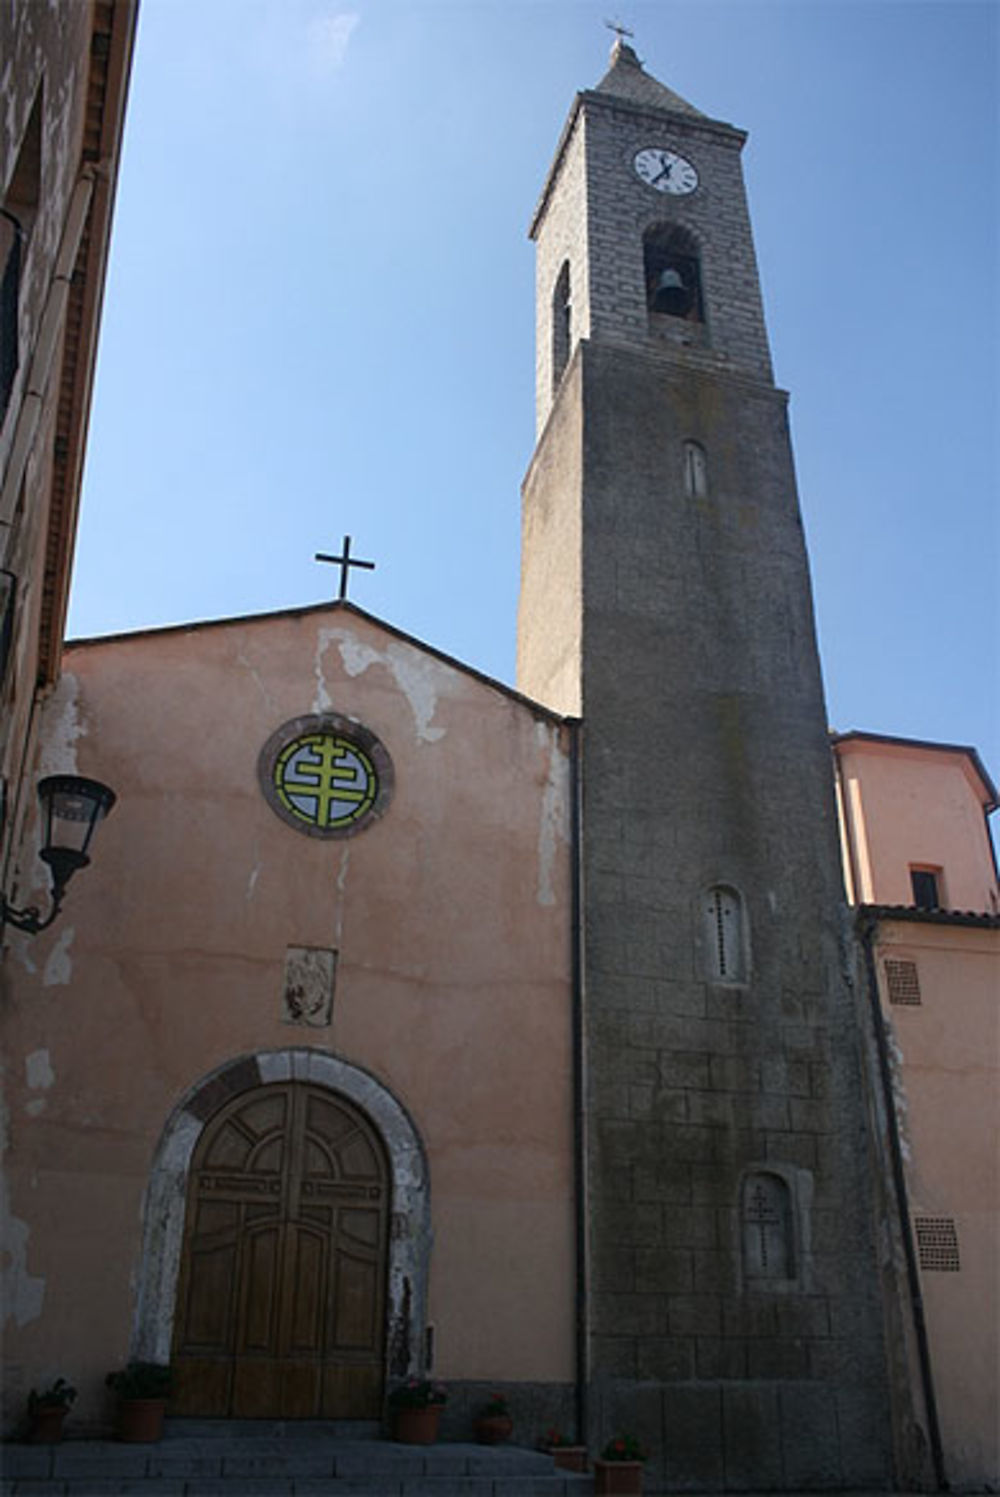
110, 63
854, 735
870, 914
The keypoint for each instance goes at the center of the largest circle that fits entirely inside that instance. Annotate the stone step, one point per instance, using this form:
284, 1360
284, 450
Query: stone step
264, 1465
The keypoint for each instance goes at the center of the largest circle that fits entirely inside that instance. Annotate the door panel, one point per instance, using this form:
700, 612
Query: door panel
281, 1298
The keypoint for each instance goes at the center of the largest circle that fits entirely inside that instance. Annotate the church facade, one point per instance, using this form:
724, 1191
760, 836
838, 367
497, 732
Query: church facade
412, 1025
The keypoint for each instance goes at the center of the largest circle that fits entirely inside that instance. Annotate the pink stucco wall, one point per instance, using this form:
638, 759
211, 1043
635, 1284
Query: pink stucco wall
947, 1053
914, 805
450, 916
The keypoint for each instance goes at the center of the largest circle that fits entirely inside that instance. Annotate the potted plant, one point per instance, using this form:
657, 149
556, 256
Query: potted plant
415, 1411
618, 1469
493, 1423
143, 1389
47, 1410
566, 1455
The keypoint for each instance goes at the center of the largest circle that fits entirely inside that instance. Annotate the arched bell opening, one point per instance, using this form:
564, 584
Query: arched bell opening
673, 274
562, 324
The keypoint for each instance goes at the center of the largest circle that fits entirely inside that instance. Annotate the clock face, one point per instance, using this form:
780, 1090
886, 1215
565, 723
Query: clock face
665, 171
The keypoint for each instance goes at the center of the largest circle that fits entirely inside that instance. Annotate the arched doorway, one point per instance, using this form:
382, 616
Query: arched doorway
281, 1295
159, 1269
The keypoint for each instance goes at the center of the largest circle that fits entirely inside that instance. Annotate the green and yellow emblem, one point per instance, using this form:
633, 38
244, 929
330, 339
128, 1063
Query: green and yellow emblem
326, 776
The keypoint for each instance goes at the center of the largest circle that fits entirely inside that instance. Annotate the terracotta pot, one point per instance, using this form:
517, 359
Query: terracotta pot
47, 1424
416, 1426
617, 1478
493, 1429
140, 1420
569, 1457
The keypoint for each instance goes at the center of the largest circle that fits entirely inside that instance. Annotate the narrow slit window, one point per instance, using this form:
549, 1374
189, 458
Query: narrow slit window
695, 471
725, 937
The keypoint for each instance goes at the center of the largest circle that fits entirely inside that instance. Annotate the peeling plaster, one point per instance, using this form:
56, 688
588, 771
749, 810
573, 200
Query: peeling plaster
553, 827
418, 678
63, 727
252, 881
22, 1293
35, 1107
58, 970
899, 1092
345, 862
254, 674
38, 1070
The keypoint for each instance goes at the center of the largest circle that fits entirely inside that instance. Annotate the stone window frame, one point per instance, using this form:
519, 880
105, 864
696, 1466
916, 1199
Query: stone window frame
799, 1184
704, 947
165, 1201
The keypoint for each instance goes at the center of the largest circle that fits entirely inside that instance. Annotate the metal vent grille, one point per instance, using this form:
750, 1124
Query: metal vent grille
903, 982
937, 1244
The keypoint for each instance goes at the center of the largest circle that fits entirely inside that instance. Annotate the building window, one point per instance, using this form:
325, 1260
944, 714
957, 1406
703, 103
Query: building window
766, 1219
902, 981
926, 884
562, 325
17, 215
724, 935
695, 471
673, 274
11, 238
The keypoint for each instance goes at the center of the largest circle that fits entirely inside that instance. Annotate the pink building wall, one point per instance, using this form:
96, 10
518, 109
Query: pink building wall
906, 805
450, 916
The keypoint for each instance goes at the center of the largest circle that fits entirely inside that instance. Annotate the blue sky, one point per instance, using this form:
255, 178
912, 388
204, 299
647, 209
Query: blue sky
319, 315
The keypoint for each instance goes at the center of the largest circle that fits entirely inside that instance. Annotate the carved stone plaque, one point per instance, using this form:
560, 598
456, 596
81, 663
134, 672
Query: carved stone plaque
310, 975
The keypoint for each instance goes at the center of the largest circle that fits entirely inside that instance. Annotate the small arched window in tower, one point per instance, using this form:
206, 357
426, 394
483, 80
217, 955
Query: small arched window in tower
725, 936
562, 324
695, 471
673, 275
766, 1228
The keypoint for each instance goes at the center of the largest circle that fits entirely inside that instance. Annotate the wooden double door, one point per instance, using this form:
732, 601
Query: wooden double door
281, 1297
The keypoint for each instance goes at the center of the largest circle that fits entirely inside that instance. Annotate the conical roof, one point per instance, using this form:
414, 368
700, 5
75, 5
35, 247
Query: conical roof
626, 79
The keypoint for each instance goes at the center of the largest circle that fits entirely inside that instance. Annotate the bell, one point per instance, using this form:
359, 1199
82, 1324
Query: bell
671, 295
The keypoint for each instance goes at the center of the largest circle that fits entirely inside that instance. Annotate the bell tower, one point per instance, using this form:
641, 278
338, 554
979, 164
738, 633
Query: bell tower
734, 1314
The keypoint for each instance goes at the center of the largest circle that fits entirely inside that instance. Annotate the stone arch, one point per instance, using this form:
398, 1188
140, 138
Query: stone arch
672, 270
166, 1196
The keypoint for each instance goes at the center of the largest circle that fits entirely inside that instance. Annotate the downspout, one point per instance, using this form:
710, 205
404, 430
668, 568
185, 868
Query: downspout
580, 1408
866, 929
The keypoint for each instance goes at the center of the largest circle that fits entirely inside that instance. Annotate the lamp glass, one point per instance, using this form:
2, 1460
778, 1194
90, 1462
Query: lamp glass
72, 807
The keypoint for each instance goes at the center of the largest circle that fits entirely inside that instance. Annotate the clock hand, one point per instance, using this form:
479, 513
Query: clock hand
665, 170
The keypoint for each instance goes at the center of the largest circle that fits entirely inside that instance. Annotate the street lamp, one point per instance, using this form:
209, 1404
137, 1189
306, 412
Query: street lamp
71, 808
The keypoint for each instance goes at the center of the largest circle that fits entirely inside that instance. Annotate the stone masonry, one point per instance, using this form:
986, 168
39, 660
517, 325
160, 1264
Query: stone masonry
735, 1317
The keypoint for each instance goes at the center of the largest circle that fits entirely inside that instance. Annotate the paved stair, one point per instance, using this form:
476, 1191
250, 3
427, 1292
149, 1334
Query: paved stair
272, 1459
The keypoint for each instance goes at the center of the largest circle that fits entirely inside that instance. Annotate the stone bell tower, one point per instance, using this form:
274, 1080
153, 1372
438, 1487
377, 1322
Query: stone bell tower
734, 1310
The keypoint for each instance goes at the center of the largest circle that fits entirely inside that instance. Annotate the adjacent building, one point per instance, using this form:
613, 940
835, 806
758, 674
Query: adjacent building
920, 868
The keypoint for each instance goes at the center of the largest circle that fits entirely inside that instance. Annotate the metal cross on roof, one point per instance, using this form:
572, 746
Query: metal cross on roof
344, 562
620, 31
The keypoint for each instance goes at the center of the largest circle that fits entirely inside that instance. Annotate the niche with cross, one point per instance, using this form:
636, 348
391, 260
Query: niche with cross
767, 1228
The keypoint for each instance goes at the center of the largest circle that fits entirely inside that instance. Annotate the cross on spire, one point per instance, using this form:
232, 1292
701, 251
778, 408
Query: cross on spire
620, 31
344, 562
